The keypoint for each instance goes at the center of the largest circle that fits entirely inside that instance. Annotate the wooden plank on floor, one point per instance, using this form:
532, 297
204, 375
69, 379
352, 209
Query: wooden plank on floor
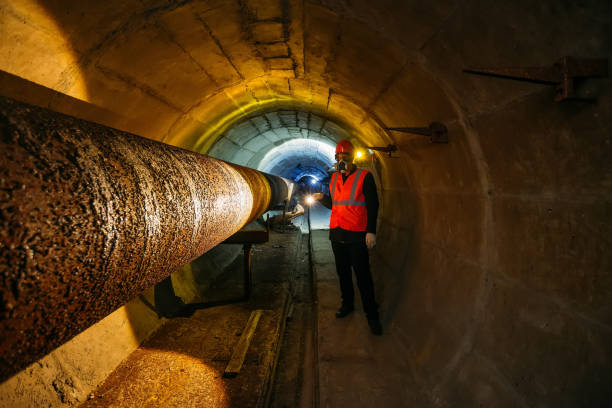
235, 363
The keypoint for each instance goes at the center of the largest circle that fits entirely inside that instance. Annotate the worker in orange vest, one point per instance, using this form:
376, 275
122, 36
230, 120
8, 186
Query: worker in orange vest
352, 230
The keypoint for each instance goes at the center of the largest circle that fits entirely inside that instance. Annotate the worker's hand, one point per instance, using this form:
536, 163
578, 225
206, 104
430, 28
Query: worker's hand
370, 240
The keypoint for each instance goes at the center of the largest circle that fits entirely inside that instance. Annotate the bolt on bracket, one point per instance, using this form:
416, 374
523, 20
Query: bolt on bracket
437, 132
561, 74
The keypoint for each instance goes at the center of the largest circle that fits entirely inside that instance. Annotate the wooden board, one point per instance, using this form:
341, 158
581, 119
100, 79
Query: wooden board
235, 363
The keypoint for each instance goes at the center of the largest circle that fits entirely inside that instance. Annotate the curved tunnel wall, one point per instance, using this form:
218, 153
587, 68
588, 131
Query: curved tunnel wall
493, 261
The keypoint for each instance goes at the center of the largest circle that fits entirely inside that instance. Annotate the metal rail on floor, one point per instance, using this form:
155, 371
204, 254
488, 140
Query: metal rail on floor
315, 318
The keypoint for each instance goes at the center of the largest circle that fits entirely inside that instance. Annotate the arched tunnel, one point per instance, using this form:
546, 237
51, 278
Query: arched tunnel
492, 266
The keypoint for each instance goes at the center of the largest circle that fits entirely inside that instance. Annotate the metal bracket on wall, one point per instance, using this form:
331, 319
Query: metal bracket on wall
389, 149
436, 131
562, 74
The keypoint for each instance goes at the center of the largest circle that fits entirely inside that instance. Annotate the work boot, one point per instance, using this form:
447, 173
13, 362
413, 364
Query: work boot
344, 311
375, 327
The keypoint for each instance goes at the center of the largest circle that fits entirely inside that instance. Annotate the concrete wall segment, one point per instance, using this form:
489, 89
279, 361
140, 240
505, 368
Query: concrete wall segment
192, 33
34, 46
226, 24
525, 34
132, 58
364, 65
522, 163
318, 43
562, 249
264, 9
548, 331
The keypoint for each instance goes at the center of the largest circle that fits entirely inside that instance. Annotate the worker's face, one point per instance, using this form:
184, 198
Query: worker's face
344, 162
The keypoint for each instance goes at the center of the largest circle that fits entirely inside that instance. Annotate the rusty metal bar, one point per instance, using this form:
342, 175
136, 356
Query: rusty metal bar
562, 74
92, 216
389, 149
437, 132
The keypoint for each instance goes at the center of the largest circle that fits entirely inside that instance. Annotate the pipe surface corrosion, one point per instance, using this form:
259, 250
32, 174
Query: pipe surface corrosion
91, 216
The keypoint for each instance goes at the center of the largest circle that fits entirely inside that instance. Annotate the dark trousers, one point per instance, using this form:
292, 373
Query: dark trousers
355, 255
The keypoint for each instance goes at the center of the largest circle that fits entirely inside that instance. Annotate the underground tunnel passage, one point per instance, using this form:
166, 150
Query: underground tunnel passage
139, 136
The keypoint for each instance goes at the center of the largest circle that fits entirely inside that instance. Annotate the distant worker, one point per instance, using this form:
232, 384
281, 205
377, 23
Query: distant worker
352, 230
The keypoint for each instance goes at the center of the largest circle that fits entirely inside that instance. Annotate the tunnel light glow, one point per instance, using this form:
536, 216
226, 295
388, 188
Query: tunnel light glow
314, 181
297, 150
310, 200
358, 154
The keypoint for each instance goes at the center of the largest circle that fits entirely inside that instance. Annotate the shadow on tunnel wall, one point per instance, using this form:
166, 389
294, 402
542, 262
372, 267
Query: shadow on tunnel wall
396, 252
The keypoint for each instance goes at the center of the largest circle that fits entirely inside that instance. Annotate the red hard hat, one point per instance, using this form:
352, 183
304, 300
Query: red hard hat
344, 146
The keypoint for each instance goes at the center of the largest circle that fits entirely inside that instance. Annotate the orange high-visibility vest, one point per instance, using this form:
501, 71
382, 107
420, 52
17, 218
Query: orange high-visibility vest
348, 202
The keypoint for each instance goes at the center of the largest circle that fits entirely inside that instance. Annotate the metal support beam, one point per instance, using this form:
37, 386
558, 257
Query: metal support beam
91, 216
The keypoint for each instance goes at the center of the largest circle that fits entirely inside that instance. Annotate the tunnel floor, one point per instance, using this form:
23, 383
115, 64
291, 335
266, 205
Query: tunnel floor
356, 368
300, 354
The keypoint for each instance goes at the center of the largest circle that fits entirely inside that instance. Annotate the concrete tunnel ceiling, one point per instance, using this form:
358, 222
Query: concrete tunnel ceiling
286, 143
495, 248
299, 158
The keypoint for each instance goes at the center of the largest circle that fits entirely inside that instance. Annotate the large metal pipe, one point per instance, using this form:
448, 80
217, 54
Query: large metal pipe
91, 216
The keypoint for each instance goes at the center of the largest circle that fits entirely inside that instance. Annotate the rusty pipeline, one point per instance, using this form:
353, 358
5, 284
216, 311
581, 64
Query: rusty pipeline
91, 216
